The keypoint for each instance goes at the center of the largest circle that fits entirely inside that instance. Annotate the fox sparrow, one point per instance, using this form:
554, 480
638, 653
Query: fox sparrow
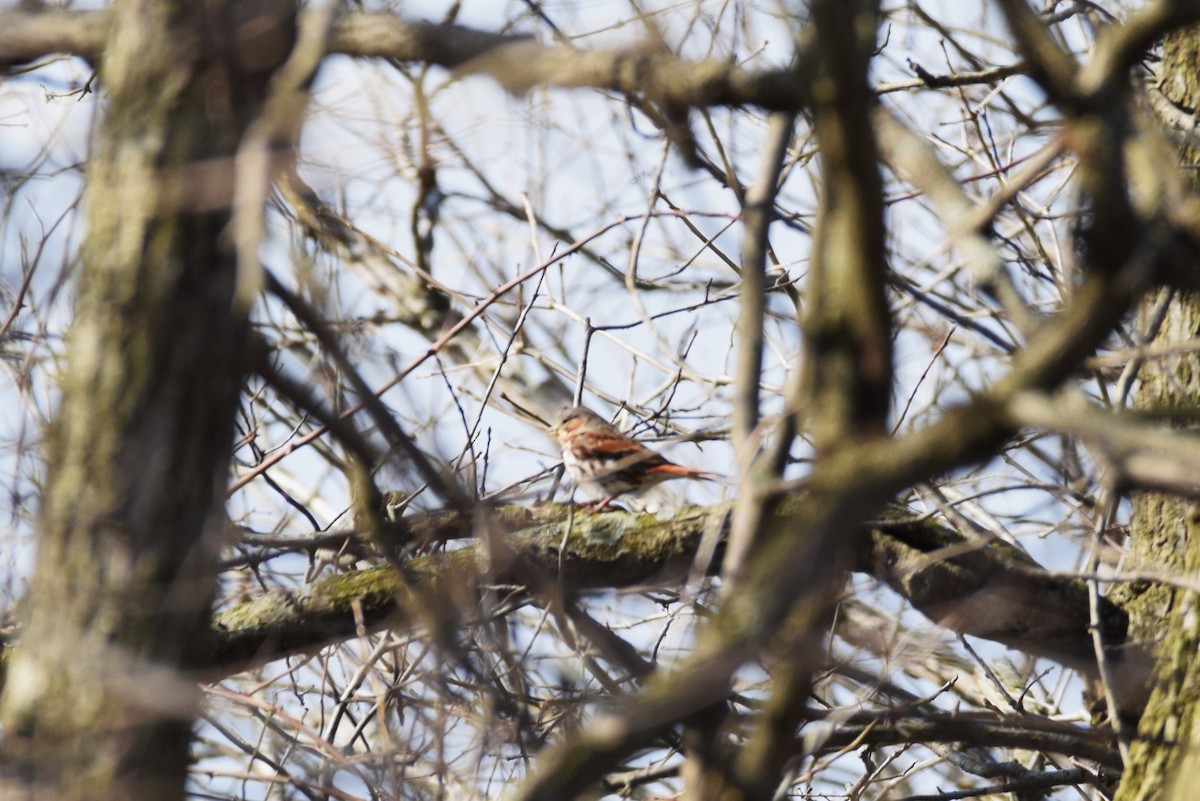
606, 463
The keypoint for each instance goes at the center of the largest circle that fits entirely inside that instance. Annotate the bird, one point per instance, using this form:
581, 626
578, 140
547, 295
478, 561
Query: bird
604, 462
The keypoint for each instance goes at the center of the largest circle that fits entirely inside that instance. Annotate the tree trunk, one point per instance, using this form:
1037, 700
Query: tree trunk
1164, 529
98, 703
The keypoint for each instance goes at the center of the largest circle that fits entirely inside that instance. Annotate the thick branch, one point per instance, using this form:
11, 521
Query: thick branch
986, 589
601, 551
516, 61
984, 730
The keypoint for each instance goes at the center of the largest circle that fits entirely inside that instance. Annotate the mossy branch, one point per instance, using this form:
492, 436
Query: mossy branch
984, 588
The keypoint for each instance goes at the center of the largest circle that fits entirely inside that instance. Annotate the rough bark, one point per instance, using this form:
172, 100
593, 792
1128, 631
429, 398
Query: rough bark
97, 704
985, 588
1164, 529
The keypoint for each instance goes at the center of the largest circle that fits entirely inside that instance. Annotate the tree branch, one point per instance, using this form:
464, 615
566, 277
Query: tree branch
986, 589
516, 61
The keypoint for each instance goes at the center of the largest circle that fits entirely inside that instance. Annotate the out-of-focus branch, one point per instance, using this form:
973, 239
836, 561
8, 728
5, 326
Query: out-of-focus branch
1140, 453
846, 375
982, 730
1118, 49
848, 349
967, 223
270, 143
1121, 47
755, 473
517, 62
520, 63
29, 35
660, 75
1050, 65
757, 213
437, 478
